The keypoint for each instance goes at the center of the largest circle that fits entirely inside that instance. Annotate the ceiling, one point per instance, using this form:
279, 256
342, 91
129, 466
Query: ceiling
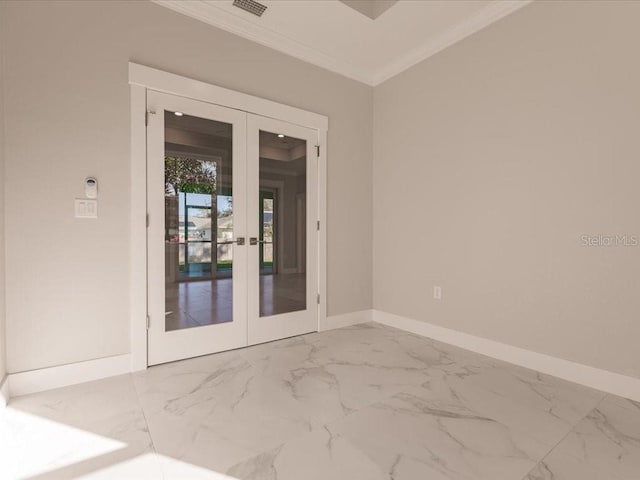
272, 140
342, 37
195, 132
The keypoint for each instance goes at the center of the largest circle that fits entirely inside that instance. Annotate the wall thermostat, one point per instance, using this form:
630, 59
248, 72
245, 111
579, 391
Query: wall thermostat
91, 187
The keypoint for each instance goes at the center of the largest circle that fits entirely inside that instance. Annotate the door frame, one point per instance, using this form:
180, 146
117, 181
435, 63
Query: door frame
143, 79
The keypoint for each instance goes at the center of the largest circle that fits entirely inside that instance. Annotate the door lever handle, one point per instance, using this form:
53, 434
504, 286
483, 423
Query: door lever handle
239, 241
255, 241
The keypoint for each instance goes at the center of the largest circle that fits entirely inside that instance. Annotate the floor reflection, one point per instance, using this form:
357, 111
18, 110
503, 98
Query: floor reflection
200, 303
282, 293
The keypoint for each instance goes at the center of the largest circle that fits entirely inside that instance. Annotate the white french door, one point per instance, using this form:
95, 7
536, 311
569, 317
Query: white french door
196, 160
283, 298
231, 241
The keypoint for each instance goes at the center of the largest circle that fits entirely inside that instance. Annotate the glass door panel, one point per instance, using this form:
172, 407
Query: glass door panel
282, 169
283, 161
194, 150
197, 166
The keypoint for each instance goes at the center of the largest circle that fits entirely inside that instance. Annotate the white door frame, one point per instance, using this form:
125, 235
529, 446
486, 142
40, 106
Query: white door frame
142, 79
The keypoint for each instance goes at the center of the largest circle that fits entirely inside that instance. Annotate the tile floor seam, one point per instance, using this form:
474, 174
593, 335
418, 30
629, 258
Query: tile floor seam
144, 414
541, 461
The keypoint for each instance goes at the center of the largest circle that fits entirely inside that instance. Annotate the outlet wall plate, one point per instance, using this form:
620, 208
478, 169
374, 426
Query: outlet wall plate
437, 292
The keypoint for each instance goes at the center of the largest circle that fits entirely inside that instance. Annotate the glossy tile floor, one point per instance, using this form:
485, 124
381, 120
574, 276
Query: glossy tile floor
365, 402
208, 302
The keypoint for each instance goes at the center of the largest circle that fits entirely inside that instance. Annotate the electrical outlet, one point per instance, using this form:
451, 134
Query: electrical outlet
437, 292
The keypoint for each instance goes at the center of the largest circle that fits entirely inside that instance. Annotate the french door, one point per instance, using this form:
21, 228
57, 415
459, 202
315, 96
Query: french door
283, 299
232, 241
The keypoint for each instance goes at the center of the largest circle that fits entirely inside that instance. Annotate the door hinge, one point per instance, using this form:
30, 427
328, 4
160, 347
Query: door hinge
318, 299
318, 225
147, 220
148, 322
318, 150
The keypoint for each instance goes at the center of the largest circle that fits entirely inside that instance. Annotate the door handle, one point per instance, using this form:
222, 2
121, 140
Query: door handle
253, 241
239, 241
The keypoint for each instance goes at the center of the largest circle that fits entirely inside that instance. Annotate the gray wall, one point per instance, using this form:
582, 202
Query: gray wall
492, 159
67, 116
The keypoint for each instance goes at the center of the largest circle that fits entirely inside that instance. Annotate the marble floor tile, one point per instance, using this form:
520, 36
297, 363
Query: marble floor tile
614, 402
527, 405
333, 377
564, 467
67, 432
410, 438
317, 455
183, 400
363, 402
605, 444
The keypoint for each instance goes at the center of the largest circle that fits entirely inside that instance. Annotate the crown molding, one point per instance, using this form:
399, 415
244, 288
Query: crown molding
218, 17
491, 13
208, 12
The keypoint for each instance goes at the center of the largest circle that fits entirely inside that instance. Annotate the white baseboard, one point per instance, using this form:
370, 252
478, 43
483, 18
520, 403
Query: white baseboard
347, 319
34, 381
629, 387
4, 391
43, 379
604, 380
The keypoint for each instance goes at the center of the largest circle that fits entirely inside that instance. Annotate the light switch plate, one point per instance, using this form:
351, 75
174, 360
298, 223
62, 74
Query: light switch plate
86, 208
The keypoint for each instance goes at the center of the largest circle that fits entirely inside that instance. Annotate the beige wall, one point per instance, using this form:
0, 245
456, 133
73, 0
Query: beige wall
67, 116
490, 161
492, 158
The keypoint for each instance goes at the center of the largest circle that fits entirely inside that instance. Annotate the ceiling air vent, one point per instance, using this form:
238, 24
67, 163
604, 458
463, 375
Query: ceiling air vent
250, 6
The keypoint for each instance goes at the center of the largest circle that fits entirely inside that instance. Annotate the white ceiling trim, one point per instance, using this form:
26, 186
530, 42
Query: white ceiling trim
218, 17
491, 13
208, 12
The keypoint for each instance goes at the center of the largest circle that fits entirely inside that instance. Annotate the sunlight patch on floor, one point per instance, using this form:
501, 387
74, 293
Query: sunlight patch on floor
153, 466
31, 445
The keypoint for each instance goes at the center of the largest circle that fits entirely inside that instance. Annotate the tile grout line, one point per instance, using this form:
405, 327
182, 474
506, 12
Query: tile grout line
144, 414
597, 405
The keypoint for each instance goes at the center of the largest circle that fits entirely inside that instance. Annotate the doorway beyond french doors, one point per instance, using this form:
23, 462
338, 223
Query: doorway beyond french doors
232, 238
